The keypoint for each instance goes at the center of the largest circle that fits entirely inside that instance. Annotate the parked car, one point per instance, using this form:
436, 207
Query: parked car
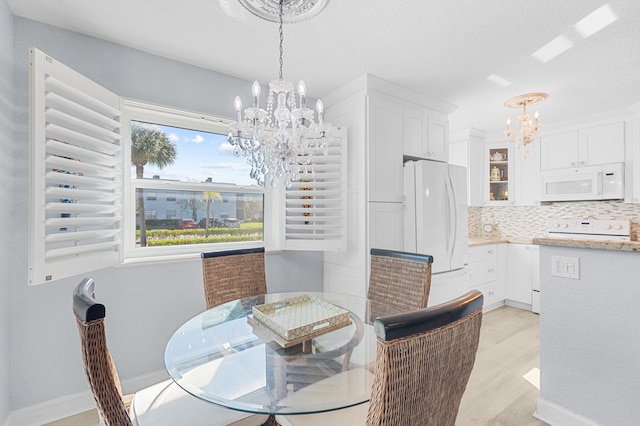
213, 223
230, 223
188, 224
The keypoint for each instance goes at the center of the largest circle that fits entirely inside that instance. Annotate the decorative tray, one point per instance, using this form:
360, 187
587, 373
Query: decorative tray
299, 318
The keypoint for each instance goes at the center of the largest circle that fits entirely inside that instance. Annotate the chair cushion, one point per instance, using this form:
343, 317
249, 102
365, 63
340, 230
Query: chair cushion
166, 403
355, 415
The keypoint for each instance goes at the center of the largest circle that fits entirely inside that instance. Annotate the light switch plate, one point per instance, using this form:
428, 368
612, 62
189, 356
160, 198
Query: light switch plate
565, 267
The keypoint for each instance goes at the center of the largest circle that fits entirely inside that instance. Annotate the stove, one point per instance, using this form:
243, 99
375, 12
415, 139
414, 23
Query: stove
590, 229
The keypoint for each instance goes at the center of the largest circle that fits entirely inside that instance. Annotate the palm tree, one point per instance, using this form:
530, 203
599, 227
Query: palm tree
149, 146
209, 198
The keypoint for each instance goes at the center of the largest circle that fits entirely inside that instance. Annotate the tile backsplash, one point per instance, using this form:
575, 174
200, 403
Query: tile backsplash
523, 223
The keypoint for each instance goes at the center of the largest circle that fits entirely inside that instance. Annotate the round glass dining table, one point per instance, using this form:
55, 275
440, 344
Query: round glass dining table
224, 357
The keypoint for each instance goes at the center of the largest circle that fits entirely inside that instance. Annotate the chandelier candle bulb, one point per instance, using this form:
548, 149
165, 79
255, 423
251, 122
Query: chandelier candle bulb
302, 91
237, 104
320, 109
255, 89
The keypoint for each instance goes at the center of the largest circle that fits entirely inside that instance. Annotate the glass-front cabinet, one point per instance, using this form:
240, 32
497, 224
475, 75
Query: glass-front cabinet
497, 174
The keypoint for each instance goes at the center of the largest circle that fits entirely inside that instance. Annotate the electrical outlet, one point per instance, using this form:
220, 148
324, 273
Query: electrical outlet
565, 267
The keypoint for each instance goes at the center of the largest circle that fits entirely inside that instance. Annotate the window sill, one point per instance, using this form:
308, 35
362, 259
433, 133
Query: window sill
150, 260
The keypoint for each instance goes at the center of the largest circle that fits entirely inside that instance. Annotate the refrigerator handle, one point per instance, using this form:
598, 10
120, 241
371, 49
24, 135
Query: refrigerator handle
451, 207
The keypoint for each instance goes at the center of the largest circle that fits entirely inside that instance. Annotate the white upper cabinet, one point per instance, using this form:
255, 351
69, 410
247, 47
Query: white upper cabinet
602, 144
416, 132
385, 150
426, 134
498, 174
438, 136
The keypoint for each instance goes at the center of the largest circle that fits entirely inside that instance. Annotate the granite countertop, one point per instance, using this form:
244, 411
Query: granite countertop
589, 244
484, 240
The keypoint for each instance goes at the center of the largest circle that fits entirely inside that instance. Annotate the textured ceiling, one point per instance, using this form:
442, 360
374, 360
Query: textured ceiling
442, 48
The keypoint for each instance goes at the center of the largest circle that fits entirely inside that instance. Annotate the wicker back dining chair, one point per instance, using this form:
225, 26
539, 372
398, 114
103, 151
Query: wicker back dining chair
399, 279
423, 363
164, 403
233, 274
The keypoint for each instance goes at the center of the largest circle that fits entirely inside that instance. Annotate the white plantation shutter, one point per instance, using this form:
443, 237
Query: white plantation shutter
76, 157
315, 206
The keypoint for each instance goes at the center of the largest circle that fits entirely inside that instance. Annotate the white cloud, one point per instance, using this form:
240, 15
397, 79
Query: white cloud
228, 166
173, 137
197, 139
226, 148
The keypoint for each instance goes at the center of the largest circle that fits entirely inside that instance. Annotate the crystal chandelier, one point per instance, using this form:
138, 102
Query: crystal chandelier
279, 142
528, 128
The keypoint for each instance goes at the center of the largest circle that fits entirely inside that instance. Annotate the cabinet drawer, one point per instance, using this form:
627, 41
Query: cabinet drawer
489, 293
482, 253
482, 272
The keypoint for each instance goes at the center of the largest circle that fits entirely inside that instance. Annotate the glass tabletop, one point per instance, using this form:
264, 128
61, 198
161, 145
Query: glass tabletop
221, 356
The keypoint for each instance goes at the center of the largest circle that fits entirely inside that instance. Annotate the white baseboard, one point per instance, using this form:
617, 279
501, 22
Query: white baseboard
69, 405
519, 305
493, 306
557, 415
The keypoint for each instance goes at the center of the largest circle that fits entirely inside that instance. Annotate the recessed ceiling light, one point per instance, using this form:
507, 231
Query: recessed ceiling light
552, 49
595, 21
500, 81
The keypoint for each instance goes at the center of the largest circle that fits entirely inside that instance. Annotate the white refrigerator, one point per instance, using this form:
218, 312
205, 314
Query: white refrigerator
435, 216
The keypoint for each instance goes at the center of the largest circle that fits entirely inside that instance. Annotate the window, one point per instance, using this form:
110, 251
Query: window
189, 168
89, 191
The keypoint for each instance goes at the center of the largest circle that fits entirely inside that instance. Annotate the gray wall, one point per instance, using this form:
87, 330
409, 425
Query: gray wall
145, 304
589, 339
6, 195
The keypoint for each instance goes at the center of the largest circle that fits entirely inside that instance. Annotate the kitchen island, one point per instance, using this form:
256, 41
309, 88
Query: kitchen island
589, 244
589, 338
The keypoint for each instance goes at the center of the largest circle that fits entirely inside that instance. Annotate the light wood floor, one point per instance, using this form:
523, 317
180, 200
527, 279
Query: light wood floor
497, 394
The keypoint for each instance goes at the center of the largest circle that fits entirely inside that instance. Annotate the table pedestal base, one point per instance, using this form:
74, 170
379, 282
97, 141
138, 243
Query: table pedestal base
271, 421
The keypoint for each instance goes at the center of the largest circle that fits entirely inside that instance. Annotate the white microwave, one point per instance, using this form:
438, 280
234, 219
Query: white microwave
604, 182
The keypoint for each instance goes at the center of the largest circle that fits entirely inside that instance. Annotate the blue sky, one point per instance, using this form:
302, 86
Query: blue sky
201, 155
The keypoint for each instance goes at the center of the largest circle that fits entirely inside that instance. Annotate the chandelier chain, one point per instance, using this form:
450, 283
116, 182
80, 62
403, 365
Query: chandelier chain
281, 39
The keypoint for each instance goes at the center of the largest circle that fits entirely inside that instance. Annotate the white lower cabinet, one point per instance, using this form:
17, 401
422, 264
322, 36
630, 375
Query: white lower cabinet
523, 275
504, 273
487, 273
